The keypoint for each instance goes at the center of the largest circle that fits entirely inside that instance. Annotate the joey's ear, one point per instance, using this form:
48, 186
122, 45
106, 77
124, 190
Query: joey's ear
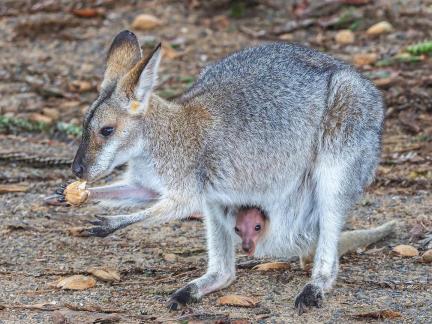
138, 84
122, 56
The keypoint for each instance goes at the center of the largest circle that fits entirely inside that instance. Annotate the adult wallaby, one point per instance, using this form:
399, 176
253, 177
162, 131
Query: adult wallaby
279, 126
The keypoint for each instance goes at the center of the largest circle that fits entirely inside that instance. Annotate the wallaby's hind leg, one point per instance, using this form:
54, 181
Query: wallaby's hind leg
331, 203
221, 261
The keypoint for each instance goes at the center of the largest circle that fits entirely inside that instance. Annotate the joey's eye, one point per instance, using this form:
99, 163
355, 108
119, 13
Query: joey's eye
236, 230
258, 227
106, 131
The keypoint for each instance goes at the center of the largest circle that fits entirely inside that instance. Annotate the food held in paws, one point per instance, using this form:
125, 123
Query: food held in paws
76, 193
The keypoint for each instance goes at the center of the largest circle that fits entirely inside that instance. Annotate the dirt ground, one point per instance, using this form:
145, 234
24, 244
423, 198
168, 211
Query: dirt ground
51, 63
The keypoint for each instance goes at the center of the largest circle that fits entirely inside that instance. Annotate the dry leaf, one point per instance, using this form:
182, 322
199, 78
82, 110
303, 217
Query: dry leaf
76, 193
49, 306
88, 12
427, 256
345, 37
58, 317
105, 273
76, 282
170, 53
384, 82
406, 250
81, 86
5, 188
379, 28
170, 257
39, 118
364, 58
272, 266
381, 314
78, 231
52, 113
237, 300
145, 22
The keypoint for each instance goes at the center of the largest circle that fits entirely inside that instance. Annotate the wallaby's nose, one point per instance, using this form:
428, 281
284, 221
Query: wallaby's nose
78, 169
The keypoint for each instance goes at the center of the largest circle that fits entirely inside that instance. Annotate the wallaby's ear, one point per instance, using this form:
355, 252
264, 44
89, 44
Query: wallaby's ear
140, 81
123, 54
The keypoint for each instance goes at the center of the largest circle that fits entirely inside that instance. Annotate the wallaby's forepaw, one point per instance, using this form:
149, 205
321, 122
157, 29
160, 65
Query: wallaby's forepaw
311, 295
183, 296
102, 228
58, 198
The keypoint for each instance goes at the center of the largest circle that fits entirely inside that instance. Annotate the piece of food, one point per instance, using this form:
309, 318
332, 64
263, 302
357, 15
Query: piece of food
76, 193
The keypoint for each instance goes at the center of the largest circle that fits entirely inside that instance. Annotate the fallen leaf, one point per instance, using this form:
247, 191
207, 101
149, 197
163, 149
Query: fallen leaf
5, 188
17, 227
270, 266
384, 82
381, 314
379, 28
88, 12
39, 118
49, 306
237, 300
170, 257
145, 22
78, 231
58, 317
105, 273
427, 256
406, 250
344, 37
76, 282
408, 119
108, 319
220, 22
170, 53
52, 113
81, 86
364, 58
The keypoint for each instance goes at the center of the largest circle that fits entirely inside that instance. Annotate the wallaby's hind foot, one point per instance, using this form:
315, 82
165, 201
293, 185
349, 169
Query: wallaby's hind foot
311, 295
183, 296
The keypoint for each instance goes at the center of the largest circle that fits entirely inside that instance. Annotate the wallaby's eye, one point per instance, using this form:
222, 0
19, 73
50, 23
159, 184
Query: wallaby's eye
257, 227
236, 230
106, 131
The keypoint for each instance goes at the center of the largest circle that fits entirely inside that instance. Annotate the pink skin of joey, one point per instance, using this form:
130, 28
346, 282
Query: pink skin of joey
250, 226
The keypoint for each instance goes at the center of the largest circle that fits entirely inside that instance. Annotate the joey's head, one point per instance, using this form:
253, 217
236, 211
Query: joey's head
250, 226
113, 128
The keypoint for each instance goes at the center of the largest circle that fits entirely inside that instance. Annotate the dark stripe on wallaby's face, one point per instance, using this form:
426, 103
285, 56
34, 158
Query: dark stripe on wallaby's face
106, 94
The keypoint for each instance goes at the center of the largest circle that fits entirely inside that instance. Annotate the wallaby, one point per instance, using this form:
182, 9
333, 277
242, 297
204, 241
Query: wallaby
251, 225
279, 126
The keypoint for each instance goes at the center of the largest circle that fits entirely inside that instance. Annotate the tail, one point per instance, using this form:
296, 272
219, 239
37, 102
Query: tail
352, 240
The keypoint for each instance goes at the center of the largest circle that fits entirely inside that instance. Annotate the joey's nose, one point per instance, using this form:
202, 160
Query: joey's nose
247, 247
78, 169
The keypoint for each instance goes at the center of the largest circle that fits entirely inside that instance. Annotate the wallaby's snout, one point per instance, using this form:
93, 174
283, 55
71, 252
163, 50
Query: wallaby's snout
78, 166
78, 169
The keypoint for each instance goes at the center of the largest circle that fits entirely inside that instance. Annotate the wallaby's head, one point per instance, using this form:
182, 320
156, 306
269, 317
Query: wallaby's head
112, 127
